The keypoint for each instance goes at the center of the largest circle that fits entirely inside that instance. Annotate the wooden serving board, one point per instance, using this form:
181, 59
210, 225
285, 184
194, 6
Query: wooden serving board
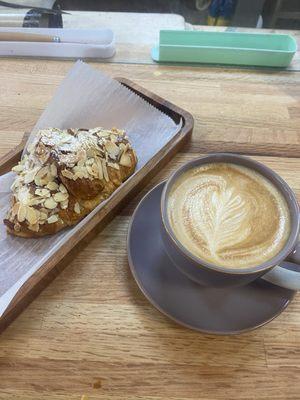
50, 269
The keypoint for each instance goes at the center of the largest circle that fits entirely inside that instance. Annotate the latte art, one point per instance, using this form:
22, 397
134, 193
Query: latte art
228, 215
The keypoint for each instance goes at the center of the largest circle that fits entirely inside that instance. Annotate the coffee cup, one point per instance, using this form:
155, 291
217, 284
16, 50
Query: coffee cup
259, 227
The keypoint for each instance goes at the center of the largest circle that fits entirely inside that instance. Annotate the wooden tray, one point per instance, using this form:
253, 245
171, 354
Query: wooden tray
68, 251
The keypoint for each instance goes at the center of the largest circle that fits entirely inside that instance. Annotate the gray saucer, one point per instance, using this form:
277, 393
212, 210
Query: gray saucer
209, 310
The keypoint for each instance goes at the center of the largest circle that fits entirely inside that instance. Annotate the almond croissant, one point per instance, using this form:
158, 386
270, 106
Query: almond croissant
64, 175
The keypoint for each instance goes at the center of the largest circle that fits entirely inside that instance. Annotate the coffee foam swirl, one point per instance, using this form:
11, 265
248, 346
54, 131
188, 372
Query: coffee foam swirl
228, 215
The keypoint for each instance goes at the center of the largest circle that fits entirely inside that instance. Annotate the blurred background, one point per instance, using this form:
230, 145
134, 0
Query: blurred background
275, 14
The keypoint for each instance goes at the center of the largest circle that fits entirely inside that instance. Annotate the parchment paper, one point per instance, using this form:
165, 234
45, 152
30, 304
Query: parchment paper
86, 98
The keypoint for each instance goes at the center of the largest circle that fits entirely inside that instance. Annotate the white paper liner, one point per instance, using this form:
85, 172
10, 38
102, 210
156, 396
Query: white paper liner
86, 98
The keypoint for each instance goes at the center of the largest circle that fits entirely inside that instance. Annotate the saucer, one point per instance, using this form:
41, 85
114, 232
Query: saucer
205, 309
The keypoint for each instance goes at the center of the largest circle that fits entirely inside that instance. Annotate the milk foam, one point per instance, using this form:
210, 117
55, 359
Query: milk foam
228, 215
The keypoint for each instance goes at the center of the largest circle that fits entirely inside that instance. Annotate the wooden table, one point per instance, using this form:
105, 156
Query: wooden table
92, 331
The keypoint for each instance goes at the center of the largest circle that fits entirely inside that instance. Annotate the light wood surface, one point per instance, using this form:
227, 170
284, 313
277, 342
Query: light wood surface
91, 331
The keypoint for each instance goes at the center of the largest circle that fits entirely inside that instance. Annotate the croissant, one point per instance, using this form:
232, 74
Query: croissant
65, 174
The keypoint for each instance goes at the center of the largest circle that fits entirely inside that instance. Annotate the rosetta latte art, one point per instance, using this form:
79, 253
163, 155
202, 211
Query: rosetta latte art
228, 215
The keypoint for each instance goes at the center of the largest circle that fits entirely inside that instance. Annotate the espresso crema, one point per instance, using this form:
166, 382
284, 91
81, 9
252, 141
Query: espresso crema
228, 215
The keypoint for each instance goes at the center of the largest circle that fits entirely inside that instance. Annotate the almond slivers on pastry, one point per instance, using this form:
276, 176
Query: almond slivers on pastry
64, 175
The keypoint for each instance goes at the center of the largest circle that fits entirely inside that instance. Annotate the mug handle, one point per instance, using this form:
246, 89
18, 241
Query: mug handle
284, 277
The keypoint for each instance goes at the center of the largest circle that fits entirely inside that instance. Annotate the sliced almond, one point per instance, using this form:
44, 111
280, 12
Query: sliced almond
93, 171
15, 209
102, 134
62, 188
124, 147
80, 172
95, 130
52, 185
113, 165
29, 177
100, 169
105, 173
15, 184
81, 155
47, 178
113, 138
43, 216
18, 168
68, 158
90, 161
85, 173
112, 149
52, 219
90, 152
89, 169
38, 181
17, 227
65, 139
50, 203
59, 197
24, 195
22, 213
44, 156
34, 228
53, 170
77, 208
125, 160
64, 204
79, 175
42, 172
36, 200
67, 174
42, 192
77, 168
31, 216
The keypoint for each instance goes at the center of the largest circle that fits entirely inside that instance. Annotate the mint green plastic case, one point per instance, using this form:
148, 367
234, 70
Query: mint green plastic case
257, 49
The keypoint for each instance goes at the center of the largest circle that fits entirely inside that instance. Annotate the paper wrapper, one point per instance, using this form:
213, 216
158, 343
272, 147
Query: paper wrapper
86, 99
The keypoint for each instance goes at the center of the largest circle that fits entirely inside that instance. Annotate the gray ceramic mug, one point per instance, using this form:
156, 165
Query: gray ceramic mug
208, 274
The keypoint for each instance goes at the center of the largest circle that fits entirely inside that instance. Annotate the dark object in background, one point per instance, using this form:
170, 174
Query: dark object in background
186, 8
220, 12
35, 18
13, 14
247, 13
282, 14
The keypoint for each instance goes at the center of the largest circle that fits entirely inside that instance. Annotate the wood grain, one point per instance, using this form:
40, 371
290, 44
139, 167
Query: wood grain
92, 326
92, 331
253, 112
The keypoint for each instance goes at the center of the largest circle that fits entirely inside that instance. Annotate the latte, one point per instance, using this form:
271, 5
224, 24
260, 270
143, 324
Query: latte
228, 215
